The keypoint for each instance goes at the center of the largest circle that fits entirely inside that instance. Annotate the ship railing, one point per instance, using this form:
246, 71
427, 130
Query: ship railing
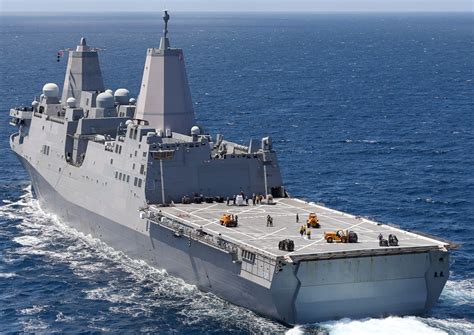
183, 230
200, 234
55, 119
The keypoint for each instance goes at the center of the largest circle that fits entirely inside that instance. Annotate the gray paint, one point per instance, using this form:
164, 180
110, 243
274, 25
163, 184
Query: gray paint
165, 97
82, 73
105, 174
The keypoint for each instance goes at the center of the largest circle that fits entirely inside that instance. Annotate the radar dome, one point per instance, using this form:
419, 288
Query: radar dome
109, 91
121, 96
35, 103
128, 122
132, 101
195, 130
105, 100
71, 102
51, 90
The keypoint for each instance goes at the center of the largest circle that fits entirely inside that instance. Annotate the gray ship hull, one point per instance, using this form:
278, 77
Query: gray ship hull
303, 292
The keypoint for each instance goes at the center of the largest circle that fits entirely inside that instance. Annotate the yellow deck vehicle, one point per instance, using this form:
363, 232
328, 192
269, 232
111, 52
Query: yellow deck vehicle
343, 236
228, 220
313, 221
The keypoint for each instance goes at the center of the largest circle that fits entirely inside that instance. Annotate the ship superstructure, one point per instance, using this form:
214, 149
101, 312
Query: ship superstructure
142, 176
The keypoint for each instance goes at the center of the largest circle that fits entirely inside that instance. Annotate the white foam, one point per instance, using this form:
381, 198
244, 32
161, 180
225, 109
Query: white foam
35, 309
453, 326
89, 257
386, 326
459, 292
7, 275
60, 317
34, 326
112, 294
27, 240
295, 331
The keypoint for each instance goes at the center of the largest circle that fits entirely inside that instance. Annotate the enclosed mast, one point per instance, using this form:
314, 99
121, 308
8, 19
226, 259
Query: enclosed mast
165, 98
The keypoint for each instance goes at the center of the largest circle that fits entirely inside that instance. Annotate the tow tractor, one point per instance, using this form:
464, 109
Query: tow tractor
228, 220
313, 221
343, 236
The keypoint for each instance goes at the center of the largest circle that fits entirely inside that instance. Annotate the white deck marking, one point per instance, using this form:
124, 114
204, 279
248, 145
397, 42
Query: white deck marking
320, 240
252, 231
276, 231
329, 217
212, 231
203, 209
215, 222
318, 214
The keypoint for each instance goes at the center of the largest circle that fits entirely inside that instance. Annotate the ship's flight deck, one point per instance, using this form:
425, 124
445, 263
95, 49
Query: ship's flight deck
253, 230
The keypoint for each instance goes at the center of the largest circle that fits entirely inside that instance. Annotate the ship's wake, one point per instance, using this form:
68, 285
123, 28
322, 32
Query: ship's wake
80, 281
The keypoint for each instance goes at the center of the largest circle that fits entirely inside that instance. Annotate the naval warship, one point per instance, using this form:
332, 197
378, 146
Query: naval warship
142, 176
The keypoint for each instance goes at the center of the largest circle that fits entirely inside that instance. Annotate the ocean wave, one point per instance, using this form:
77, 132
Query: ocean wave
60, 317
7, 275
452, 326
137, 290
35, 309
386, 326
133, 288
27, 240
34, 326
459, 292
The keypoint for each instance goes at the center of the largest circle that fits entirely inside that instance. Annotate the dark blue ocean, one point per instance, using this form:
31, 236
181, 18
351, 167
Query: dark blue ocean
371, 114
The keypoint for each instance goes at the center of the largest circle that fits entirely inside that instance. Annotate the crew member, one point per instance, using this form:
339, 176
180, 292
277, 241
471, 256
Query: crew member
302, 230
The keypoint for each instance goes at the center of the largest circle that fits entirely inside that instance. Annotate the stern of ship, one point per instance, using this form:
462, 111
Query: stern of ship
309, 291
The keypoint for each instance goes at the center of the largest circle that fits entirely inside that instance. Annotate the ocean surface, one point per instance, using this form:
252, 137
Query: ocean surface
370, 114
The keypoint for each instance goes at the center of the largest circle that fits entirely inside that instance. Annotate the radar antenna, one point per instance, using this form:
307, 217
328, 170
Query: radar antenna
166, 18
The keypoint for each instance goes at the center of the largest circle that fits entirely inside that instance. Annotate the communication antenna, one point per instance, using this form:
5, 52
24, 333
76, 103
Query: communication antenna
166, 18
